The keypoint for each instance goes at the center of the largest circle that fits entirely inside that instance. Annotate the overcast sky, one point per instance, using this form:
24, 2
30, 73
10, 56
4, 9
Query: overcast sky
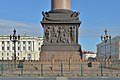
96, 16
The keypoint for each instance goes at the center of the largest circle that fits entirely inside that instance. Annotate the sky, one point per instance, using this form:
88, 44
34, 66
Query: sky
96, 16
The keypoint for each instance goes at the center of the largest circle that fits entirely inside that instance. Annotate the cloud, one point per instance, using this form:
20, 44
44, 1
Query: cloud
95, 32
7, 26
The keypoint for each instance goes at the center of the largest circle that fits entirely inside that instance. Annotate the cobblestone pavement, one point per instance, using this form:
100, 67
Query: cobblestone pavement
60, 78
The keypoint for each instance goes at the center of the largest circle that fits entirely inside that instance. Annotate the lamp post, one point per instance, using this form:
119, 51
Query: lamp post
110, 47
14, 38
105, 39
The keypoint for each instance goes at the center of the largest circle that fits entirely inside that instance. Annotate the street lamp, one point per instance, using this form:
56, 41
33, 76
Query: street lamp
14, 38
105, 39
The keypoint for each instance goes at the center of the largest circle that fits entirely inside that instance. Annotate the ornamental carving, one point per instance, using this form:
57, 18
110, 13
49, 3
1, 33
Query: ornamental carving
69, 17
60, 34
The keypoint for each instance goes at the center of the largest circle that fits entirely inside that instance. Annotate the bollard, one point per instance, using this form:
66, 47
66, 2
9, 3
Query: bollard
1, 69
69, 63
101, 70
61, 69
116, 74
41, 69
81, 71
11, 69
21, 71
90, 64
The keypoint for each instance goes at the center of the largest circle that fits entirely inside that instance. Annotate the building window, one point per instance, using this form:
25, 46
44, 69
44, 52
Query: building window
24, 48
39, 43
18, 54
7, 58
2, 42
18, 42
2, 54
18, 48
39, 48
13, 48
29, 48
2, 58
8, 42
7, 48
23, 42
7, 54
2, 47
12, 57
29, 57
29, 42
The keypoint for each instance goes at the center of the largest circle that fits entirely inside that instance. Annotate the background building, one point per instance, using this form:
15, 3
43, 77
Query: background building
27, 48
111, 48
87, 55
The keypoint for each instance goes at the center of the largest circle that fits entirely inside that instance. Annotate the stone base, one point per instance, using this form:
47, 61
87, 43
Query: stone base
61, 48
60, 52
66, 52
60, 55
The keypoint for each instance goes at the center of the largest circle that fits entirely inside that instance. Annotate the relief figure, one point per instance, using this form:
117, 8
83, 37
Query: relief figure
61, 34
47, 34
72, 34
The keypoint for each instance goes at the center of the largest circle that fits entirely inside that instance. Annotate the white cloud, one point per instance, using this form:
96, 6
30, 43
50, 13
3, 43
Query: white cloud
7, 26
98, 31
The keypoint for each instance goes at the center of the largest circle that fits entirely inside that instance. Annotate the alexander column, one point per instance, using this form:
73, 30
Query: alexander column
60, 32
